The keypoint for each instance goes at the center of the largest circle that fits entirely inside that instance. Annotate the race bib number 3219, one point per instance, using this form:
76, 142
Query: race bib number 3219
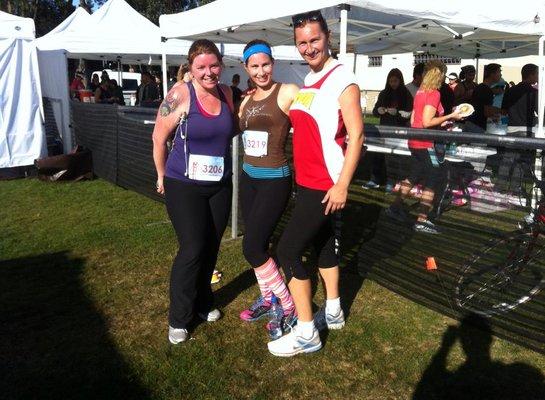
255, 143
205, 168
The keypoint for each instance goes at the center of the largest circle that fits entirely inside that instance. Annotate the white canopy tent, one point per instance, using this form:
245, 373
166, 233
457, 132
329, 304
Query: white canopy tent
52, 73
22, 137
116, 32
464, 28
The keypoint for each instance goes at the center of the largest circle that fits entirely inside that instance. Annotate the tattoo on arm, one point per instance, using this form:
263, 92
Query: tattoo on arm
169, 104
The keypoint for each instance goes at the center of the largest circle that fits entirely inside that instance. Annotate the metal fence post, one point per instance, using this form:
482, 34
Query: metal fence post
234, 205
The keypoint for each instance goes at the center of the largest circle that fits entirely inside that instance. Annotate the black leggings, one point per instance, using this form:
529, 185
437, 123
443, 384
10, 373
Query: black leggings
308, 225
263, 202
199, 215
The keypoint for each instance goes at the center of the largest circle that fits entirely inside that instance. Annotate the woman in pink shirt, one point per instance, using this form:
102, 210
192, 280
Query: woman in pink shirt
427, 113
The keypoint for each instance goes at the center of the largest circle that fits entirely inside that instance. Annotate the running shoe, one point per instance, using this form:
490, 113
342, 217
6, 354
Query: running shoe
396, 213
216, 277
288, 322
211, 316
177, 335
293, 343
426, 227
370, 185
259, 309
324, 320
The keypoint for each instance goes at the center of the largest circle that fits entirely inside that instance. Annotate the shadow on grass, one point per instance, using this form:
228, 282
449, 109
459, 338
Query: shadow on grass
54, 342
479, 377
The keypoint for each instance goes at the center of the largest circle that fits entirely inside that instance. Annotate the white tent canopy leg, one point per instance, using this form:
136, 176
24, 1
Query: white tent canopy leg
164, 66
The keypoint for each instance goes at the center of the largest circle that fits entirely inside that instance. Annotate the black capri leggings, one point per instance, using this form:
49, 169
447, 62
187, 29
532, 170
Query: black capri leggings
308, 226
263, 202
199, 214
426, 168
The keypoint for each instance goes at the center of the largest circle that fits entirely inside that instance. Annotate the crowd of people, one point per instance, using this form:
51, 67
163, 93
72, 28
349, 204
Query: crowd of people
195, 177
436, 105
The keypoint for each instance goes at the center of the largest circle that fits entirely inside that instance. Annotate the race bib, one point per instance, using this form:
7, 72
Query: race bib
255, 143
205, 168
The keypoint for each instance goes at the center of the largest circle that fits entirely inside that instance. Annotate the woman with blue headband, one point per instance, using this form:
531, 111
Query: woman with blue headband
265, 184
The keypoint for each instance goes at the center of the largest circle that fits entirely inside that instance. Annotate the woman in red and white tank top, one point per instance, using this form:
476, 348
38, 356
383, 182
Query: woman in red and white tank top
325, 114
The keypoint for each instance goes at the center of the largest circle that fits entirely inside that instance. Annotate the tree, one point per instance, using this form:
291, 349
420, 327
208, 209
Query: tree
152, 9
46, 14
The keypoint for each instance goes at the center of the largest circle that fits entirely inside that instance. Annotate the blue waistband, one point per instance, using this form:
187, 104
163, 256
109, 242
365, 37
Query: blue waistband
265, 172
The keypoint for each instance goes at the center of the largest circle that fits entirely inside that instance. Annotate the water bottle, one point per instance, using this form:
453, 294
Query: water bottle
275, 325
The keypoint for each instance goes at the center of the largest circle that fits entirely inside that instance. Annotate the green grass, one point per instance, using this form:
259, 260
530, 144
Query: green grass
84, 271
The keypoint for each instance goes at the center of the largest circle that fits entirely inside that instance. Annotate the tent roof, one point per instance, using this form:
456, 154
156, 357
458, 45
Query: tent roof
464, 28
12, 26
118, 30
71, 23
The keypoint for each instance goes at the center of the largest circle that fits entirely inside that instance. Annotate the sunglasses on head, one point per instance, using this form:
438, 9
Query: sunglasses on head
311, 16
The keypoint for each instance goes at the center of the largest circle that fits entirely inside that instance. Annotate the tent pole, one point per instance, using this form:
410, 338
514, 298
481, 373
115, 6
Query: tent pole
119, 73
164, 65
343, 31
476, 69
234, 196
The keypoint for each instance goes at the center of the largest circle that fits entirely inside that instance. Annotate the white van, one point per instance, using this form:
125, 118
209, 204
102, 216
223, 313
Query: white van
131, 81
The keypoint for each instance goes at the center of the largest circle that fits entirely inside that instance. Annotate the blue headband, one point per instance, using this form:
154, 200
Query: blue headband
256, 48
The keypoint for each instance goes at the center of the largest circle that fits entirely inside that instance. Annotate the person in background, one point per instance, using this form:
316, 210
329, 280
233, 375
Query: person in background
483, 98
464, 90
413, 86
250, 89
452, 81
447, 97
117, 93
95, 83
184, 73
499, 88
103, 94
520, 102
159, 84
76, 85
393, 107
104, 76
147, 95
427, 113
237, 93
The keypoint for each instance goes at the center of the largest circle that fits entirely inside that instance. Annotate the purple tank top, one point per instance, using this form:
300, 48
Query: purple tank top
201, 134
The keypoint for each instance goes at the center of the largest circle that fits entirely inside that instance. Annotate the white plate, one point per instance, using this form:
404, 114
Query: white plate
470, 110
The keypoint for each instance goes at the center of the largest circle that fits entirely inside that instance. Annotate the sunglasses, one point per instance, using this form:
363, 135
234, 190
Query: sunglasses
311, 16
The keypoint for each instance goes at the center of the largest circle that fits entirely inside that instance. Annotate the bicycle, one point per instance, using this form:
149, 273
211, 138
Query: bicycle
508, 271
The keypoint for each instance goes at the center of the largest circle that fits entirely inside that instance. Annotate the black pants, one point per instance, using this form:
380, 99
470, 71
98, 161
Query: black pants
199, 215
308, 226
263, 202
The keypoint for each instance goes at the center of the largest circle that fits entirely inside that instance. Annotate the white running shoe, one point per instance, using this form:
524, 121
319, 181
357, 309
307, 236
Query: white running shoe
212, 316
332, 322
293, 343
177, 335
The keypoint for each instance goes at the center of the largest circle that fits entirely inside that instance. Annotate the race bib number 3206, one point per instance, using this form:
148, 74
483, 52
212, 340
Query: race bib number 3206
255, 143
205, 168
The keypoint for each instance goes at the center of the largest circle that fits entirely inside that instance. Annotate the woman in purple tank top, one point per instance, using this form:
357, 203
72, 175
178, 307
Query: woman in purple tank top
196, 181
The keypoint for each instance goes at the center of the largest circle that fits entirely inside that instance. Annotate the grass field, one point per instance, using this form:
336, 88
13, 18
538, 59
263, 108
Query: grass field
84, 271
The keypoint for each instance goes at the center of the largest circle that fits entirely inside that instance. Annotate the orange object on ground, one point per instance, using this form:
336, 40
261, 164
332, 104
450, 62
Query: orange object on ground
430, 264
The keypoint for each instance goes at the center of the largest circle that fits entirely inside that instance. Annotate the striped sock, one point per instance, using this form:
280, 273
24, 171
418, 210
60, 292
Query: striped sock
268, 276
266, 293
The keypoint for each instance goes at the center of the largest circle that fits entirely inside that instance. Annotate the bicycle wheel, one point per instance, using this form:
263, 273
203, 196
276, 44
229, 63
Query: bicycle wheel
502, 275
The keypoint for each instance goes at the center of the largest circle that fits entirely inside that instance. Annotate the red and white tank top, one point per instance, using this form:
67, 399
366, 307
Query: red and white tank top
319, 133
